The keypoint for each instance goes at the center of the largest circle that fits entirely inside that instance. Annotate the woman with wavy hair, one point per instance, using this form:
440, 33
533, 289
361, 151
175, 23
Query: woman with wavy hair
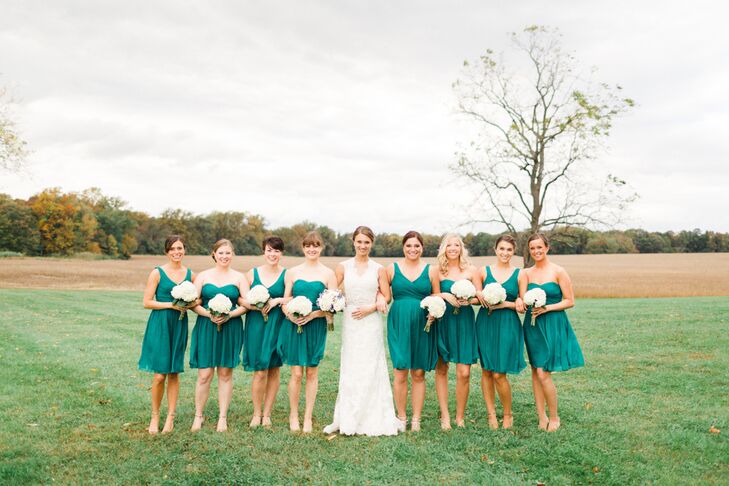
456, 329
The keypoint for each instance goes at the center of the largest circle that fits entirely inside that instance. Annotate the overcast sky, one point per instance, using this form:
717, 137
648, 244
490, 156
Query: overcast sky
342, 112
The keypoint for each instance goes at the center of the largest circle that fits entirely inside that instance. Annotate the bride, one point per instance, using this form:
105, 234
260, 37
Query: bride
364, 402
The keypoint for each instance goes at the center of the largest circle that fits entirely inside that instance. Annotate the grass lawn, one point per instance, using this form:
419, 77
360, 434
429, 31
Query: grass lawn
75, 408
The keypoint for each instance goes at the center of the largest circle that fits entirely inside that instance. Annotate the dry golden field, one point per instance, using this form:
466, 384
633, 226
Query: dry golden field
634, 275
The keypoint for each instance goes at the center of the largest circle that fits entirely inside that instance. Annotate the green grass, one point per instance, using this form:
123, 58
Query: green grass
74, 408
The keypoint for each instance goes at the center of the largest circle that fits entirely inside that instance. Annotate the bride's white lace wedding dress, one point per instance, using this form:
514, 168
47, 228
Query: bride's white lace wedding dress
364, 402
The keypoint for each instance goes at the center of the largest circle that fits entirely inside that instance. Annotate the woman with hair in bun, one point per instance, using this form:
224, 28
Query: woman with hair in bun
413, 351
217, 340
364, 400
499, 333
303, 351
260, 335
165, 339
550, 341
456, 329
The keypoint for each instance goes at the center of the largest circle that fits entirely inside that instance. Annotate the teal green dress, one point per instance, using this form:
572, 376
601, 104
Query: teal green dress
260, 338
210, 348
410, 346
551, 343
457, 332
165, 339
307, 348
500, 335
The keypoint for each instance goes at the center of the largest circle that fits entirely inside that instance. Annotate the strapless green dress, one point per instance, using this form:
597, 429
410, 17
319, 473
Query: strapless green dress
210, 348
260, 338
457, 332
306, 348
500, 335
551, 343
410, 346
165, 339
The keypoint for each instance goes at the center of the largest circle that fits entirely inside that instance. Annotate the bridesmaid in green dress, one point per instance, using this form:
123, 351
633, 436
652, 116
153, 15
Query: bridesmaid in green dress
260, 336
499, 333
214, 348
165, 339
551, 343
412, 350
456, 332
303, 351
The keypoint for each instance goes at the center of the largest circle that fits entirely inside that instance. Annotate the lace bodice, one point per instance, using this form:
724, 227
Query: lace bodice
360, 290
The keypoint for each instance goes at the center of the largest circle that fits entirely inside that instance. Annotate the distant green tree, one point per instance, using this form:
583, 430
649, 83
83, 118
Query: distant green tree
18, 227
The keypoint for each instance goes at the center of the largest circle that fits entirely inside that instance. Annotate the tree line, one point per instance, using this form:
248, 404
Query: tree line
54, 223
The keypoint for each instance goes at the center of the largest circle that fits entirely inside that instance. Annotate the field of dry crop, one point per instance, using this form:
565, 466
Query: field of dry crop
634, 275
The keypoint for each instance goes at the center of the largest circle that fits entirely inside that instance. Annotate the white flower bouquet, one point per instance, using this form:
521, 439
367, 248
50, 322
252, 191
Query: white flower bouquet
220, 305
185, 294
299, 307
331, 301
535, 297
258, 296
463, 290
493, 294
435, 306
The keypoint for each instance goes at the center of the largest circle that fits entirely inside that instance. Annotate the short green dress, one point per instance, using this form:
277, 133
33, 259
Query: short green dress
210, 348
500, 335
165, 339
457, 332
260, 338
307, 348
551, 343
411, 348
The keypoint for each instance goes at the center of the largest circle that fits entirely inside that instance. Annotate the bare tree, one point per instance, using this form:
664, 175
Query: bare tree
13, 149
540, 124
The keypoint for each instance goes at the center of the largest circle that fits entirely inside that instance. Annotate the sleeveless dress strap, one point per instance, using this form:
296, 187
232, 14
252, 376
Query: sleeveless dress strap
188, 275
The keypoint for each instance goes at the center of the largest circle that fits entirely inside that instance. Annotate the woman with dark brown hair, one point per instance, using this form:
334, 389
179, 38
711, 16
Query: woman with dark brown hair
413, 350
499, 333
550, 341
165, 339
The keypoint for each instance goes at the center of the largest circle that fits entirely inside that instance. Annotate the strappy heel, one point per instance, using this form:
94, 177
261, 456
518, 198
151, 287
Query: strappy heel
224, 428
202, 420
256, 421
266, 422
493, 421
415, 424
508, 421
151, 430
554, 425
171, 420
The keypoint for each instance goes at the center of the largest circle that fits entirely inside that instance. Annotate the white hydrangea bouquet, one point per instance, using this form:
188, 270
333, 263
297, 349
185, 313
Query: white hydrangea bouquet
299, 307
493, 294
331, 301
220, 305
258, 296
463, 290
435, 306
184, 294
535, 297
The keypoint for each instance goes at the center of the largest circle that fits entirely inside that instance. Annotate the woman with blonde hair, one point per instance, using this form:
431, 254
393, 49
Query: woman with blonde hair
456, 329
217, 340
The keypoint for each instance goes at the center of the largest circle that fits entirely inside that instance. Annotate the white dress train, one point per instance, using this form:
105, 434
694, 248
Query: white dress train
364, 401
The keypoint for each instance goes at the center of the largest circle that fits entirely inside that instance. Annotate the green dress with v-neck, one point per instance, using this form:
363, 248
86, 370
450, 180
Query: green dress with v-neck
500, 335
410, 346
210, 348
165, 339
260, 338
457, 332
305, 348
551, 343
